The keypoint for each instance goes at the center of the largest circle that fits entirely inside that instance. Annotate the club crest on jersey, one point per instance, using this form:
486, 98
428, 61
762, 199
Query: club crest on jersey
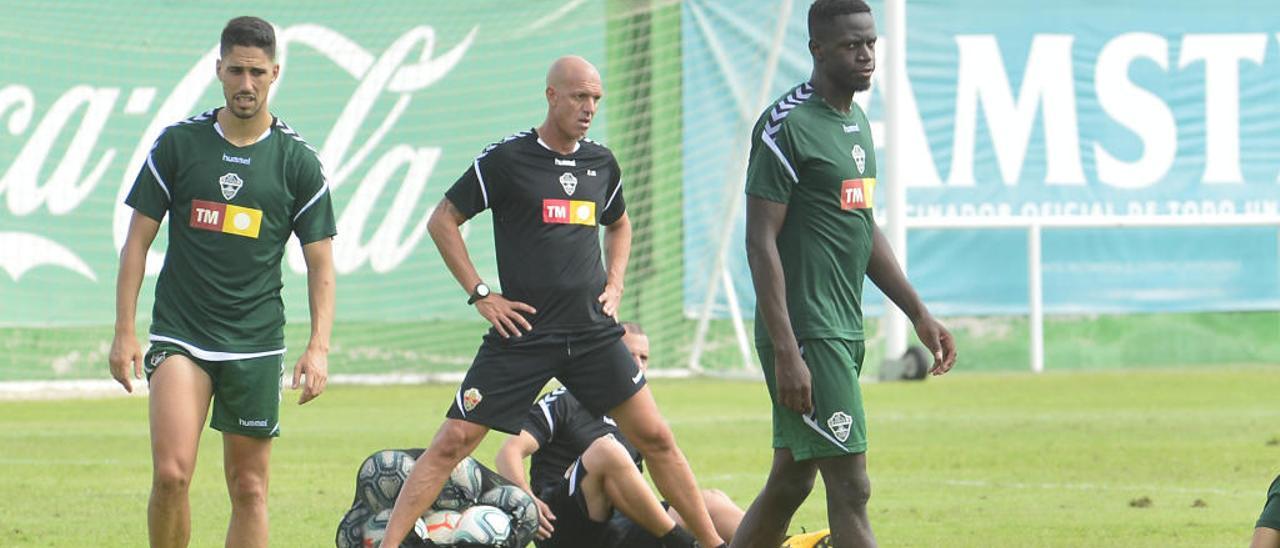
230, 184
860, 158
569, 183
471, 398
839, 424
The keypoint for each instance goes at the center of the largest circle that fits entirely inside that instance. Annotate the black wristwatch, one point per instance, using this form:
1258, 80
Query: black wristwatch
481, 291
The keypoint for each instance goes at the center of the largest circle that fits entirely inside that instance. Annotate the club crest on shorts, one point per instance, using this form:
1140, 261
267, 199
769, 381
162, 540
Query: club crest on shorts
839, 424
860, 158
158, 358
471, 398
230, 184
569, 183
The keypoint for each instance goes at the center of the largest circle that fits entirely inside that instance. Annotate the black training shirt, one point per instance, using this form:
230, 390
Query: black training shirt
547, 208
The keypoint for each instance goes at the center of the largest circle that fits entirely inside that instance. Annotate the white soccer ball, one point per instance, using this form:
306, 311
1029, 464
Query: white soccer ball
381, 477
519, 506
483, 524
441, 524
462, 489
376, 528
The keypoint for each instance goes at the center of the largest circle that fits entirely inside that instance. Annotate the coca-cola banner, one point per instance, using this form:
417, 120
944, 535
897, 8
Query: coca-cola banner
397, 98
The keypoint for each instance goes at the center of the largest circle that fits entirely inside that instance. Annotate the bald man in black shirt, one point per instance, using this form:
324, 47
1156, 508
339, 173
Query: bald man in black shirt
550, 189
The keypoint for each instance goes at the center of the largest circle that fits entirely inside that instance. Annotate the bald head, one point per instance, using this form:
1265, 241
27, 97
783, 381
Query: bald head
569, 69
573, 93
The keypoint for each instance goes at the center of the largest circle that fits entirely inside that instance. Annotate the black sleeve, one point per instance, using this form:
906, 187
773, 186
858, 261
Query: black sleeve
615, 205
475, 190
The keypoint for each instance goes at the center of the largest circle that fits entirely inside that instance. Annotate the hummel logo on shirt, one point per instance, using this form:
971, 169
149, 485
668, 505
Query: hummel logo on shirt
569, 163
226, 218
235, 159
852, 129
576, 212
858, 193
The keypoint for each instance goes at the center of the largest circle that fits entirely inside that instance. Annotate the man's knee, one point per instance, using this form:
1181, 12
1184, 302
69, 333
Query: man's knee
856, 491
849, 485
714, 496
171, 479
247, 489
790, 489
606, 453
455, 440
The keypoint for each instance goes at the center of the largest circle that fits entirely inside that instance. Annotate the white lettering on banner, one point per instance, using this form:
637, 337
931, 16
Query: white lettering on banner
1222, 54
68, 185
1135, 108
59, 160
1048, 82
393, 72
1098, 208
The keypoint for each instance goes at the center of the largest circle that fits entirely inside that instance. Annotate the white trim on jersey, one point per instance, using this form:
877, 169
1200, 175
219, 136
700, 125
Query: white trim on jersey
546, 412
818, 428
152, 166
212, 355
218, 127
609, 202
483, 192
769, 142
323, 188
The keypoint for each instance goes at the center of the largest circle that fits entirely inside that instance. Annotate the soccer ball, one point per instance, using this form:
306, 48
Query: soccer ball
482, 524
440, 525
376, 528
351, 528
381, 477
462, 488
519, 506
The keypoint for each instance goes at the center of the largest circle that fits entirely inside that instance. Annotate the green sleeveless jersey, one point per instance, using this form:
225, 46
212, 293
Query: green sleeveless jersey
231, 210
822, 164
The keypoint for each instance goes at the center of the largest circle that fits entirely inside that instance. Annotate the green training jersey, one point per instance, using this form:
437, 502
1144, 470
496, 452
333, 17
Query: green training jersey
822, 164
231, 210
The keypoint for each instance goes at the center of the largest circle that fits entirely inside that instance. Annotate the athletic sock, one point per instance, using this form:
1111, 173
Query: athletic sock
677, 537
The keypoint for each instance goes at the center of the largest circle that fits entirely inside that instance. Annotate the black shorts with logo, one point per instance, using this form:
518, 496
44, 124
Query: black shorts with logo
508, 374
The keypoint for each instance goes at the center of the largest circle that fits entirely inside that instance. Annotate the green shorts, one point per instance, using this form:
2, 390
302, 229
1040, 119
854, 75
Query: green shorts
1271, 510
837, 425
246, 393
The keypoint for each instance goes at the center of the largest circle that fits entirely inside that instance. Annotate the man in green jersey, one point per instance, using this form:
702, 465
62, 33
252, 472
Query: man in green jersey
236, 182
811, 238
1266, 532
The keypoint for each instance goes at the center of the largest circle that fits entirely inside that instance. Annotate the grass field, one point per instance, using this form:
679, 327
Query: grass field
972, 459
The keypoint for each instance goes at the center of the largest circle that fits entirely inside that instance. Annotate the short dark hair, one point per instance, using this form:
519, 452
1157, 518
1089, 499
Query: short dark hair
632, 328
249, 31
823, 11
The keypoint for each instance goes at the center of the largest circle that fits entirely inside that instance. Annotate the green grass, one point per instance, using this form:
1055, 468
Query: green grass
986, 344
977, 459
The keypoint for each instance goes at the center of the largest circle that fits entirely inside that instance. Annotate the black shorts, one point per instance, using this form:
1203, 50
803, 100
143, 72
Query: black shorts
508, 374
574, 527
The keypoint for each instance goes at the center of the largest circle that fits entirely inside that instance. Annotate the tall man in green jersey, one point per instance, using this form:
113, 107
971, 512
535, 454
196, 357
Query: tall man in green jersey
811, 238
236, 182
